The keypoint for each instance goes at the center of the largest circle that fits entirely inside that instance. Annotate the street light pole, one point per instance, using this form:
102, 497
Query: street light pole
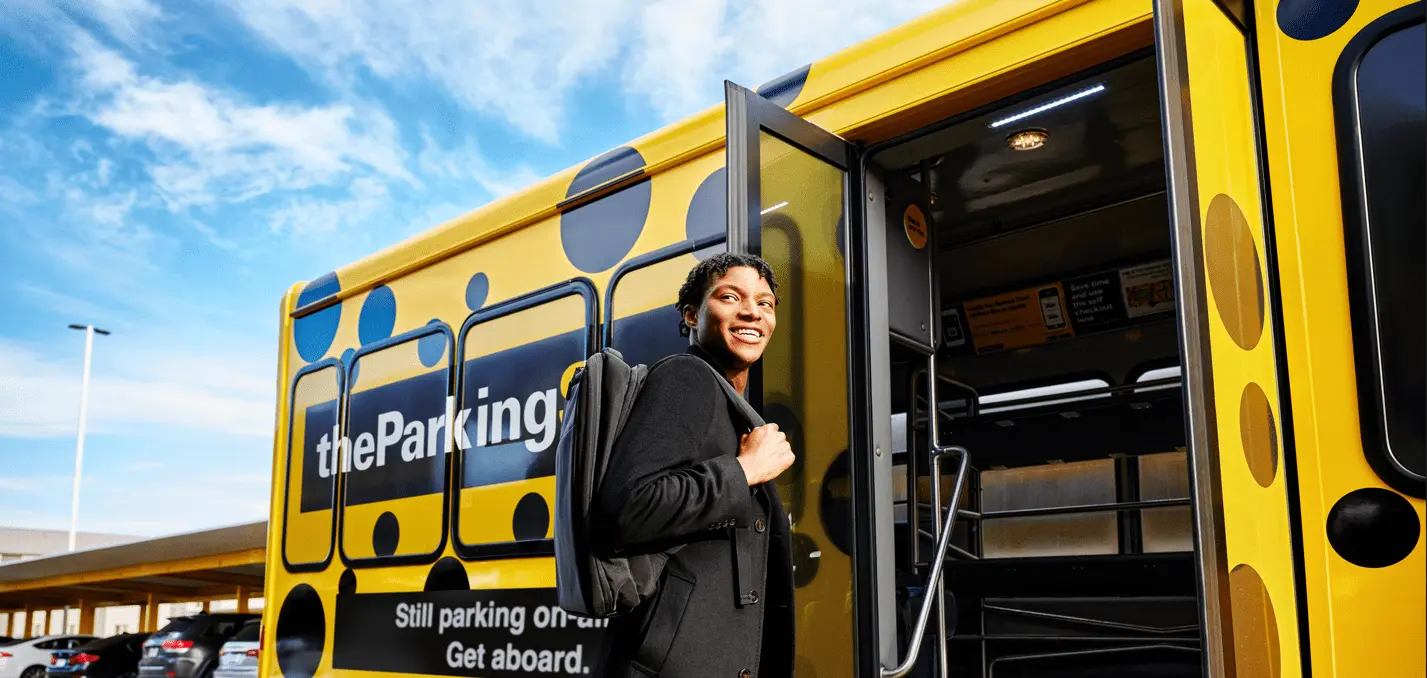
89, 331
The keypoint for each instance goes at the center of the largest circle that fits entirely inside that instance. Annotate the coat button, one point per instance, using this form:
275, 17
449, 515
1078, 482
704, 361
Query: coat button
743, 673
758, 525
753, 597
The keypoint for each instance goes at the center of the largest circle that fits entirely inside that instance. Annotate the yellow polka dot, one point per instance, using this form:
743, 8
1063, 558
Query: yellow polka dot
1235, 277
1259, 434
1255, 626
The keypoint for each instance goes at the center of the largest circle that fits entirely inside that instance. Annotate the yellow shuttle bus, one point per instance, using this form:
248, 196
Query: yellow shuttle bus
1134, 286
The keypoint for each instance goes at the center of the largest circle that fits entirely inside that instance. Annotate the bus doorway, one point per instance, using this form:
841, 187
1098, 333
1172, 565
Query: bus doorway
1012, 265
1033, 238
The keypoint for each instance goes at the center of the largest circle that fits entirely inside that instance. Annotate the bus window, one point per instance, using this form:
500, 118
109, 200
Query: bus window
1386, 102
311, 477
647, 328
396, 443
516, 361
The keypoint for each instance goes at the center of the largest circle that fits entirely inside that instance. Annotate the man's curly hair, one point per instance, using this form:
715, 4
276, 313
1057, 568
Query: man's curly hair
697, 284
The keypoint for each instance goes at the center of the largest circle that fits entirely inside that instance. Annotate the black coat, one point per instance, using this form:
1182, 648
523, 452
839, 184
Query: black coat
673, 477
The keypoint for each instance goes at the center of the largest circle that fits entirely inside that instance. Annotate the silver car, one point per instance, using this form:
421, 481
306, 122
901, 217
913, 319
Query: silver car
239, 656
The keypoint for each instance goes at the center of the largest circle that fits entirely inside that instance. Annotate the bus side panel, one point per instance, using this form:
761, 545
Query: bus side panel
1362, 620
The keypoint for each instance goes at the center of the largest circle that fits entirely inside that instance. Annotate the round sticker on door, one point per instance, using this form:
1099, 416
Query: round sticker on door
915, 224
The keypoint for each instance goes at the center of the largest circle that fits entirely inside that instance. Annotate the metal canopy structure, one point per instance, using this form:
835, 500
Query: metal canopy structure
217, 564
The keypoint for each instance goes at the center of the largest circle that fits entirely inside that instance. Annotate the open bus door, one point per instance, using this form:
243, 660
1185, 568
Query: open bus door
1242, 482
790, 185
797, 196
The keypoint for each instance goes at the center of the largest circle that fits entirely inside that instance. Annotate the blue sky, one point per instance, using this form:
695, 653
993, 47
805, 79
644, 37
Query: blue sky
167, 170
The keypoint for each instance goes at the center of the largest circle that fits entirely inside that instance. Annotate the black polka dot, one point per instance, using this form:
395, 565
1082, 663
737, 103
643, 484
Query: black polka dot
596, 236
1313, 19
836, 511
1373, 527
532, 518
806, 558
448, 574
386, 533
301, 632
708, 212
347, 583
784, 89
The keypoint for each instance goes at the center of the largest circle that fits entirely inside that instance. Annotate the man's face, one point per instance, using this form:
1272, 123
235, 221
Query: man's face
736, 319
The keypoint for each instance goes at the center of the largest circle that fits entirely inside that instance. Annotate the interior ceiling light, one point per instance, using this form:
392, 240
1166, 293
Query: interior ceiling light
1045, 107
1028, 139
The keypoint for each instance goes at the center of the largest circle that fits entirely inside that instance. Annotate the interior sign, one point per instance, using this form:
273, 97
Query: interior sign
497, 632
914, 222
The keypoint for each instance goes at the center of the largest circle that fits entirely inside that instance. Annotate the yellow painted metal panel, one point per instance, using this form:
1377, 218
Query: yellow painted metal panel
1257, 529
1362, 621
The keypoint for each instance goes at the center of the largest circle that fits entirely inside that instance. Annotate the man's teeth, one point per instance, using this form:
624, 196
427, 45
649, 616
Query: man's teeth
749, 333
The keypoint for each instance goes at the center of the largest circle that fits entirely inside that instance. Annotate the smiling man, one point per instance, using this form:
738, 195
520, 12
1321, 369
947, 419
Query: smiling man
684, 472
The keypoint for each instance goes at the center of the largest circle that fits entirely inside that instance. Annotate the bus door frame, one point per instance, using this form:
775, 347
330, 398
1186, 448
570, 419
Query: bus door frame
869, 386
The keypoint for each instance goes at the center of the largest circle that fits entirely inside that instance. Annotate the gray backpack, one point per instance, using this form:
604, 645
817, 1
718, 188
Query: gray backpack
601, 395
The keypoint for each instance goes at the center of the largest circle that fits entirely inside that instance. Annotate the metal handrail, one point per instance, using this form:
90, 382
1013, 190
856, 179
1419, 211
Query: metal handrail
934, 582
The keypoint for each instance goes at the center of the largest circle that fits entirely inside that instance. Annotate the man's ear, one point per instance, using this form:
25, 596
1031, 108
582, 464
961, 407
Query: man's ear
691, 317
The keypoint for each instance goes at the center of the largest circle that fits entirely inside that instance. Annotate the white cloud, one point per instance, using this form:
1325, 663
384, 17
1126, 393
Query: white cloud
520, 60
511, 59
35, 21
687, 48
127, 20
39, 396
466, 163
311, 218
211, 146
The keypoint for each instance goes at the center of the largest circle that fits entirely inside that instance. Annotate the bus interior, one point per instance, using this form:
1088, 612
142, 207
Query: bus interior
1038, 230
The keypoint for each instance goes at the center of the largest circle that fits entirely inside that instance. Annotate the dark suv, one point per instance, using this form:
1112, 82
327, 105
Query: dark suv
187, 647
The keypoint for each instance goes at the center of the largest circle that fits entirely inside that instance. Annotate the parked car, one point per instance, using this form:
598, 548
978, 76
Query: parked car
30, 657
239, 656
187, 647
112, 657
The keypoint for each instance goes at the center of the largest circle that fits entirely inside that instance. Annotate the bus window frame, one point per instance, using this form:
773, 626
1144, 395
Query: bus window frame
578, 286
316, 566
1357, 235
437, 327
643, 261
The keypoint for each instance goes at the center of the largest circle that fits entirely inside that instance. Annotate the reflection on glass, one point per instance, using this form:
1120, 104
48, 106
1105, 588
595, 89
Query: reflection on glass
1392, 95
805, 384
394, 466
514, 374
311, 468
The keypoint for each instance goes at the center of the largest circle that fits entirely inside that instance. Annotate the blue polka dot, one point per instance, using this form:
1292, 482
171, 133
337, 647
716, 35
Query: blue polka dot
1313, 19
597, 235
347, 356
432, 347
708, 211
784, 89
314, 333
476, 291
378, 316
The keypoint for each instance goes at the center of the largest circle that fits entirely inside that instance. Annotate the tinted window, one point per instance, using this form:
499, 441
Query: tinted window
1386, 221
47, 645
220, 629
175, 626
249, 633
